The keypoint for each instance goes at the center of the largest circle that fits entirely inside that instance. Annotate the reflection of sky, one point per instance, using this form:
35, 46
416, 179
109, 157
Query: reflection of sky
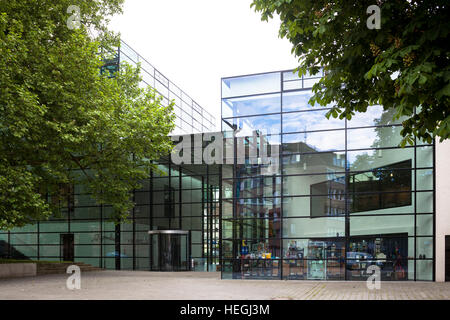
268, 123
310, 120
252, 105
294, 101
240, 86
352, 156
320, 141
361, 138
366, 118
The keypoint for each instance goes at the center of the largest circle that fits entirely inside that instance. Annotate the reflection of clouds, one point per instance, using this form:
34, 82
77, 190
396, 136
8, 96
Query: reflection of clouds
361, 138
254, 105
310, 120
319, 141
323, 141
296, 101
366, 118
270, 124
268, 82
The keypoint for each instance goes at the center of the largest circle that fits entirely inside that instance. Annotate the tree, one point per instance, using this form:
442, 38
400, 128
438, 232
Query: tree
63, 121
402, 65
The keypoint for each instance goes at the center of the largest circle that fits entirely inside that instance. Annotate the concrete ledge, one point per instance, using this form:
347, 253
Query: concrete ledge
12, 270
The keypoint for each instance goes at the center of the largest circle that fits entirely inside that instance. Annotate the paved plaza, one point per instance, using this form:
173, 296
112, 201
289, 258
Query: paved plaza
204, 286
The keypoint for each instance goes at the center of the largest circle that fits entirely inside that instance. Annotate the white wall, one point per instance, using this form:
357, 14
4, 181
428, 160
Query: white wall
442, 205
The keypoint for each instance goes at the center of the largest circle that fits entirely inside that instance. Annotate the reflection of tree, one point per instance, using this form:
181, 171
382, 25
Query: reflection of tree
362, 162
384, 138
385, 134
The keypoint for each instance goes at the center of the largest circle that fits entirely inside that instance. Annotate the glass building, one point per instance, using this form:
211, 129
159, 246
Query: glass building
336, 197
190, 116
185, 199
343, 197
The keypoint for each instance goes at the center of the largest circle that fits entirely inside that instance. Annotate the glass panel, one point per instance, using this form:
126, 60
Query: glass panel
424, 157
381, 188
255, 84
369, 159
314, 141
53, 226
374, 116
86, 213
258, 208
376, 225
89, 225
251, 105
331, 184
310, 120
424, 202
380, 137
390, 253
87, 251
424, 225
23, 238
314, 163
296, 101
314, 259
258, 187
424, 248
309, 228
424, 270
308, 83
424, 179
269, 124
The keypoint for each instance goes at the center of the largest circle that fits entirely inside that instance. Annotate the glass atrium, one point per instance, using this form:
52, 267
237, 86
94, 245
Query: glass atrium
344, 196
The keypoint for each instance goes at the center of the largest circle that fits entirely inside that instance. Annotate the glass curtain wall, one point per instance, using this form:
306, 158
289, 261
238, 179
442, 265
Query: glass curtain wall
185, 198
190, 116
344, 197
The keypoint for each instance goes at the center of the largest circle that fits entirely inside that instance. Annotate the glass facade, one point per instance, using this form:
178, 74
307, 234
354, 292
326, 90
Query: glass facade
185, 198
190, 117
344, 196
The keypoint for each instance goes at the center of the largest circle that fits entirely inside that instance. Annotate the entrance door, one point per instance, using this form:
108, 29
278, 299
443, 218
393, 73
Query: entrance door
447, 258
170, 250
67, 246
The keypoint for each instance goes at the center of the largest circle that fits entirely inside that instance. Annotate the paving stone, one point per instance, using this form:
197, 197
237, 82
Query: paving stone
202, 286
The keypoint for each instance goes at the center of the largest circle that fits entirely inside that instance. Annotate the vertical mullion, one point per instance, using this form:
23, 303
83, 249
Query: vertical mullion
415, 208
346, 201
150, 219
434, 212
281, 175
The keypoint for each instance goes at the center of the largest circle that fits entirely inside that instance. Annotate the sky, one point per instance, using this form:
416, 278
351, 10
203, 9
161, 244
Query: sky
196, 43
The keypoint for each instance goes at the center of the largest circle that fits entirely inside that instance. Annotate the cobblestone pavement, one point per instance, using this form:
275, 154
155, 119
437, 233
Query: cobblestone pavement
204, 286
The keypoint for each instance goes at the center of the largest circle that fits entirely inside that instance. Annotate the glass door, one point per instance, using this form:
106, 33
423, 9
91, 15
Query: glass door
170, 250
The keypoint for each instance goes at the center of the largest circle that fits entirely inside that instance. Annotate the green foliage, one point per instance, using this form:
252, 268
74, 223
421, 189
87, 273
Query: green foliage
61, 120
361, 65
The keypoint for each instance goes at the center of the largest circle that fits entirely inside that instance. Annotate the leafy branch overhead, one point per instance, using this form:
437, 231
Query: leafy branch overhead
63, 122
403, 66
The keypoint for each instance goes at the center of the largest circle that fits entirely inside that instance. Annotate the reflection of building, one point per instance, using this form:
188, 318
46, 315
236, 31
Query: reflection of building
343, 196
348, 196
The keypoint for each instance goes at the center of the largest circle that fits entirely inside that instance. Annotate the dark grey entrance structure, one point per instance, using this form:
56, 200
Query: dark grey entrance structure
170, 250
